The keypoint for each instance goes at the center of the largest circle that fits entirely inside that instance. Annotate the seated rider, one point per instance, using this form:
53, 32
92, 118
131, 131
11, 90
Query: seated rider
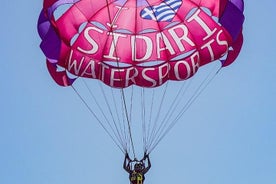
137, 174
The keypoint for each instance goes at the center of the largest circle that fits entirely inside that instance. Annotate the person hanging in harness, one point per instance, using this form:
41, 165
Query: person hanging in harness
137, 173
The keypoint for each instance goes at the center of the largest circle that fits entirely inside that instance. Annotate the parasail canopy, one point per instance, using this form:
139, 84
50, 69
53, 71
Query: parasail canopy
143, 43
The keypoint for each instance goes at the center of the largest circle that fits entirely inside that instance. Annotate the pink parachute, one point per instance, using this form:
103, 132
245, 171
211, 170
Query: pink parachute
138, 44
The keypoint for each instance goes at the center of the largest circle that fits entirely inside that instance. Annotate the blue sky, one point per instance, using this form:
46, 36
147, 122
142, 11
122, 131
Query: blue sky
48, 137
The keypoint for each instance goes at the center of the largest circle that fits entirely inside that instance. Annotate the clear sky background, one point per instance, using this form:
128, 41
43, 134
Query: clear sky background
48, 137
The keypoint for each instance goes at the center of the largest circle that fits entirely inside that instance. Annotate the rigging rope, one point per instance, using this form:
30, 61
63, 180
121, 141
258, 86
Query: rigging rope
191, 100
122, 90
153, 132
97, 118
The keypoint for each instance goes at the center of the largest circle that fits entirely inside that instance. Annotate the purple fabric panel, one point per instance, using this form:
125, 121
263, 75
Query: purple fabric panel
50, 44
239, 4
233, 54
43, 29
42, 25
121, 2
139, 2
60, 77
232, 19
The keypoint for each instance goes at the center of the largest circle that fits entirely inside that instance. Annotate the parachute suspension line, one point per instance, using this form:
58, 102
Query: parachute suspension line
156, 138
122, 90
170, 113
152, 99
172, 109
130, 104
123, 121
153, 132
122, 124
128, 122
126, 114
155, 123
184, 88
130, 114
203, 85
201, 88
116, 133
132, 98
142, 89
97, 118
143, 114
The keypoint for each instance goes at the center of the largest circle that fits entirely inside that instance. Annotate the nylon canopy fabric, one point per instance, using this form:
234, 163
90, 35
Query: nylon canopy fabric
144, 57
138, 42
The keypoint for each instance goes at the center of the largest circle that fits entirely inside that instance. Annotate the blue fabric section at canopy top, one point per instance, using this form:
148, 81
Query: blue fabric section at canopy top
162, 12
139, 2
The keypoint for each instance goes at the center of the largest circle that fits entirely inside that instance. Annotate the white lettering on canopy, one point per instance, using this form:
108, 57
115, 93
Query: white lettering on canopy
130, 77
161, 37
90, 40
147, 78
75, 65
191, 68
112, 51
123, 77
178, 38
149, 47
202, 23
86, 60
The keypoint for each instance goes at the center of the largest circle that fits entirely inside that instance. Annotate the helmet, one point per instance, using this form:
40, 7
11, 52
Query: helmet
139, 166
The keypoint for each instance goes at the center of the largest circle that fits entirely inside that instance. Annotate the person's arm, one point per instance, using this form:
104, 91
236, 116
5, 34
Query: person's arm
127, 163
146, 157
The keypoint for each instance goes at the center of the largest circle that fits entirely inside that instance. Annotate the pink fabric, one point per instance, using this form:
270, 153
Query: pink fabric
115, 44
234, 52
60, 77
